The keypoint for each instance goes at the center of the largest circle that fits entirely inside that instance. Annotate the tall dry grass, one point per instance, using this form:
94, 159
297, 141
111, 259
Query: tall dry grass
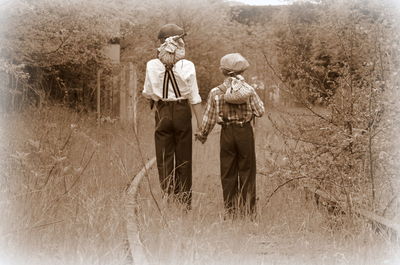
290, 229
62, 182
62, 185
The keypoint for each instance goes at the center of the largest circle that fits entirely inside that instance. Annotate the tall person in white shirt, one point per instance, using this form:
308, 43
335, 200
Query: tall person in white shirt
171, 85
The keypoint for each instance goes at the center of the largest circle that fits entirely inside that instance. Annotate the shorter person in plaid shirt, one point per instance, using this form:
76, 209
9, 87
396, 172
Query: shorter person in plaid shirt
237, 150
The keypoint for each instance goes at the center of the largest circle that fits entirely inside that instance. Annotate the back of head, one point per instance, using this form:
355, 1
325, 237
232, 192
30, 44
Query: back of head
233, 63
172, 48
169, 30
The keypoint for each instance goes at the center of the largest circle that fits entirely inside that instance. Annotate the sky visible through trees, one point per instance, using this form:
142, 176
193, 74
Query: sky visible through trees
263, 2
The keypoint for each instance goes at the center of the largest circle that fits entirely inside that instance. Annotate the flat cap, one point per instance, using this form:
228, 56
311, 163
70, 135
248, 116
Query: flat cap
234, 62
169, 30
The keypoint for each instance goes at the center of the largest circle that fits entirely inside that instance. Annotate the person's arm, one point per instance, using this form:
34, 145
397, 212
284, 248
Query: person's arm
148, 91
147, 87
209, 118
196, 109
194, 98
257, 106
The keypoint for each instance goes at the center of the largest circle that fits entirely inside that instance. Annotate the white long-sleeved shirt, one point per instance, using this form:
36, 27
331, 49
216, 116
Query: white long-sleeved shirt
185, 75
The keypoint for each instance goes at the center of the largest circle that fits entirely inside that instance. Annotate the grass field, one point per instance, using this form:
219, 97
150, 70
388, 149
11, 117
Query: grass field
61, 202
288, 230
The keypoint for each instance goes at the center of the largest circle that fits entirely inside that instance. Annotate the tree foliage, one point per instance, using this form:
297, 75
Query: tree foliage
59, 43
343, 55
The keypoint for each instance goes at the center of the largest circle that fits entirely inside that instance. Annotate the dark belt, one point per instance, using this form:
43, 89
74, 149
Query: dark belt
171, 102
235, 124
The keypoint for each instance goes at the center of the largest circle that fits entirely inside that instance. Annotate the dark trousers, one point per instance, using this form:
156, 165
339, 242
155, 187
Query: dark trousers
173, 141
238, 168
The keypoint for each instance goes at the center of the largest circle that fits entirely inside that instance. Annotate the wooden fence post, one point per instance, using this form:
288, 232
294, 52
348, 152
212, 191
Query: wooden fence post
115, 94
12, 93
129, 106
122, 95
132, 104
135, 98
98, 95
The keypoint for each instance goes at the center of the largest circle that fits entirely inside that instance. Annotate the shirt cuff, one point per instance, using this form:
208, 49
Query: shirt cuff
195, 100
149, 95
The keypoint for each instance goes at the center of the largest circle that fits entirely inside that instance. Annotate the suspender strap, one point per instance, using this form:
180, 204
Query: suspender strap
165, 86
169, 76
174, 84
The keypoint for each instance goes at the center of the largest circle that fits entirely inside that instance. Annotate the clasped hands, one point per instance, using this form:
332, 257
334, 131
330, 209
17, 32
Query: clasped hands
200, 137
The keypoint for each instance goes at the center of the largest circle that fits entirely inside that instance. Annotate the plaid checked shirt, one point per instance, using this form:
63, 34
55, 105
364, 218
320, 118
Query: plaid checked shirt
219, 111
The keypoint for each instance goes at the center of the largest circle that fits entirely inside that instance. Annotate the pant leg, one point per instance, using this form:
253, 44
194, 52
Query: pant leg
165, 146
247, 167
229, 168
182, 120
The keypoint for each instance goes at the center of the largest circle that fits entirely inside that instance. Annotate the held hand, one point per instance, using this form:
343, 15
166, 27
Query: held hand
200, 137
198, 127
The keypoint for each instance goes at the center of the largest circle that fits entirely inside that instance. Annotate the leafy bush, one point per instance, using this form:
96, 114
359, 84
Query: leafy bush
345, 148
59, 43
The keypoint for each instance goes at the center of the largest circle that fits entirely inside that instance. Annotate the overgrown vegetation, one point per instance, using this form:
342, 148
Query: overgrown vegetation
342, 55
336, 65
62, 183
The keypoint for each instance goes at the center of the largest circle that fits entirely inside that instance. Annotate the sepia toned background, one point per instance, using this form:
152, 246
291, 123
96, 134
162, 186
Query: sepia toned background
75, 133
